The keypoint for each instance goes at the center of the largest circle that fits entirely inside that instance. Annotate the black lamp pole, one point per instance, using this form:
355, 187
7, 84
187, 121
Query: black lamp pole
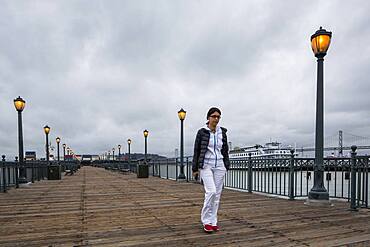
182, 115
47, 147
47, 130
58, 141
146, 145
129, 150
146, 148
19, 105
64, 151
320, 43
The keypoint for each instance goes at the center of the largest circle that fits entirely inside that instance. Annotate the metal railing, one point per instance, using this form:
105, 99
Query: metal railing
344, 178
115, 165
170, 168
34, 171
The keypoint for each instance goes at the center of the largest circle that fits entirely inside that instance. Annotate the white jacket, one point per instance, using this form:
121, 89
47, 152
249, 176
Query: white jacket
213, 156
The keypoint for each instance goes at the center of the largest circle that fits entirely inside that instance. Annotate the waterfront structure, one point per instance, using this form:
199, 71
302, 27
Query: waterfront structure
270, 150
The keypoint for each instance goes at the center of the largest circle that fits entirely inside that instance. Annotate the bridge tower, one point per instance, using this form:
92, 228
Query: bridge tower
340, 153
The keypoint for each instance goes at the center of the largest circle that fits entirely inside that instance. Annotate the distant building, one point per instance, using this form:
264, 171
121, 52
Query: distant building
30, 155
69, 157
90, 157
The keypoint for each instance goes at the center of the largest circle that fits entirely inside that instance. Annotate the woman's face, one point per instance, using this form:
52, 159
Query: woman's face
214, 118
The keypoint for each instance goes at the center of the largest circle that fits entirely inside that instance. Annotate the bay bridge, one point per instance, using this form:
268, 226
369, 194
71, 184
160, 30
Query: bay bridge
339, 142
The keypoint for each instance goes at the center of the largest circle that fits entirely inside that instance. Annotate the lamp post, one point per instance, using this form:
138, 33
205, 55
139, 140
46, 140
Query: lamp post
19, 104
64, 151
119, 151
58, 141
47, 131
68, 150
320, 42
108, 155
113, 152
146, 133
129, 150
182, 115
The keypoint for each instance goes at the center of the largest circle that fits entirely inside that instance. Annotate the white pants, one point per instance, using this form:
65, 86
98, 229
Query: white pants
213, 179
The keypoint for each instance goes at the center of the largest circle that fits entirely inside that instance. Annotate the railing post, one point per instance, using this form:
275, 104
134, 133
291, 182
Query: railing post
4, 170
45, 171
42, 167
291, 176
176, 170
353, 178
32, 172
8, 174
250, 173
38, 171
167, 168
153, 169
16, 171
187, 169
366, 170
359, 184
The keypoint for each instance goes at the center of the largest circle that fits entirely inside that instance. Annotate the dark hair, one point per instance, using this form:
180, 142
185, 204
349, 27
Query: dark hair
213, 110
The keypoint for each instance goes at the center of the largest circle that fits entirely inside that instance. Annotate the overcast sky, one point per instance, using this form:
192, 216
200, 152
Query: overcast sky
100, 72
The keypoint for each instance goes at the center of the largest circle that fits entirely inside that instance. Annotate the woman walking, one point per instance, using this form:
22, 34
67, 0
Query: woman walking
211, 161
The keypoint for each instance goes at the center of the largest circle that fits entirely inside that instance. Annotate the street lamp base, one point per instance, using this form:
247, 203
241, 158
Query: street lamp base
318, 195
25, 185
320, 203
22, 180
181, 177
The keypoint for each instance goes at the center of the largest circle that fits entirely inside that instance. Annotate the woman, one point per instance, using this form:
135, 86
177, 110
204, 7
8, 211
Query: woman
211, 160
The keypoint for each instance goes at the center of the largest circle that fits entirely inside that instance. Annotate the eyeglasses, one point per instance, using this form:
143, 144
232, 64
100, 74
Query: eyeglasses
215, 116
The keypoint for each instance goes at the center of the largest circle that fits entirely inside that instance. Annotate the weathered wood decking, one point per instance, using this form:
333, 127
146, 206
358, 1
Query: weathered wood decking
96, 207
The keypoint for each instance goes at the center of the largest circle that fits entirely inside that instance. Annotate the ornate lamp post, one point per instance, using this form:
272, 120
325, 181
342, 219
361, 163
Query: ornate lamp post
129, 150
119, 151
64, 151
113, 152
47, 131
108, 155
320, 42
146, 133
19, 104
58, 141
182, 115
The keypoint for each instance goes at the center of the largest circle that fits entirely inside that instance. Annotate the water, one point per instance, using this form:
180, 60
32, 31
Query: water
277, 182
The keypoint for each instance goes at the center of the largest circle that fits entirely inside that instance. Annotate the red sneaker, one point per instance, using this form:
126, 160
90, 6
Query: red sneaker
215, 228
208, 228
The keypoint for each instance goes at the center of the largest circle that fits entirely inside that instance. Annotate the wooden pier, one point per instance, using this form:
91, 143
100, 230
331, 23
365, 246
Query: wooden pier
97, 207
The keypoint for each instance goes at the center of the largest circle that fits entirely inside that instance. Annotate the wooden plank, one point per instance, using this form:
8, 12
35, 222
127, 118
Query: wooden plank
96, 207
